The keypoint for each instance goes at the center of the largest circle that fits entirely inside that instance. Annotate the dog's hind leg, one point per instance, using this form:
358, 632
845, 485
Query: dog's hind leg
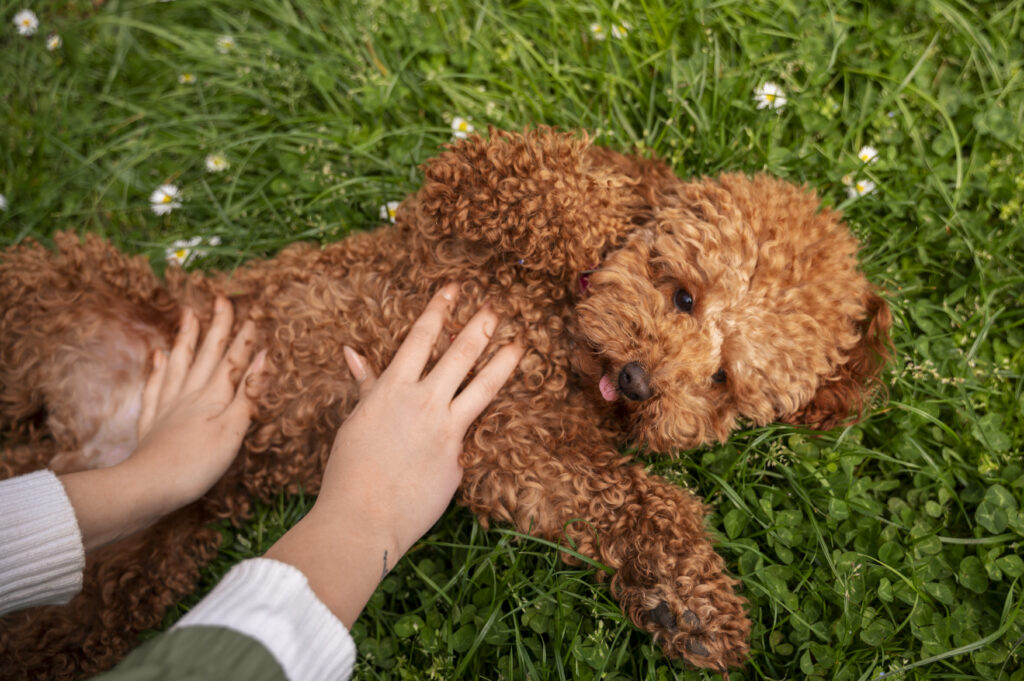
78, 328
77, 331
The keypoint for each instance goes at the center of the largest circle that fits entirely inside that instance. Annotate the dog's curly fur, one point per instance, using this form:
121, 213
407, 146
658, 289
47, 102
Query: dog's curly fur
697, 305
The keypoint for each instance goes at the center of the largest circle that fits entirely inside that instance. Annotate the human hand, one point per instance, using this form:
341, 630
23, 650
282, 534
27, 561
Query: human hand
395, 460
394, 466
195, 410
193, 416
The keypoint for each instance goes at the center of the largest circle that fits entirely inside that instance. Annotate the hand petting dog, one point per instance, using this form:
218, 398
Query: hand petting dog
394, 466
195, 409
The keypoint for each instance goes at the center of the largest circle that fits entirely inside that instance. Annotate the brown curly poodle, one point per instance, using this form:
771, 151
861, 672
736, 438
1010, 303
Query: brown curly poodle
656, 312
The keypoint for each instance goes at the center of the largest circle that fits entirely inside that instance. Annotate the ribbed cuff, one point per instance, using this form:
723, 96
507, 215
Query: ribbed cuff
43, 558
273, 603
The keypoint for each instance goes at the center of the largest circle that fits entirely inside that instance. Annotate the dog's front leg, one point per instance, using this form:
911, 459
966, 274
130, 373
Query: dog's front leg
556, 476
669, 580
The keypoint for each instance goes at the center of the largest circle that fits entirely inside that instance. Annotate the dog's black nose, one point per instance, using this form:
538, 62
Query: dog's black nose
633, 382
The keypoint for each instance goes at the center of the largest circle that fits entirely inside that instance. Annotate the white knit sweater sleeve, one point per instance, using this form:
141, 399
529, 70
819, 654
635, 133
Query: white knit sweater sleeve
41, 554
272, 602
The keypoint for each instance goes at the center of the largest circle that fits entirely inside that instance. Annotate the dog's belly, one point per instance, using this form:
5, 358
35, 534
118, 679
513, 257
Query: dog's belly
94, 388
112, 442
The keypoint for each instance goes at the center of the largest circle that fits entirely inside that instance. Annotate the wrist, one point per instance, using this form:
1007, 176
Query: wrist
111, 503
365, 523
343, 558
156, 492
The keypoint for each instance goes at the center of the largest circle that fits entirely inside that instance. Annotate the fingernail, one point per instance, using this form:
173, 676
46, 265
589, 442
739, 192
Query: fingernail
355, 364
218, 304
158, 359
257, 364
448, 292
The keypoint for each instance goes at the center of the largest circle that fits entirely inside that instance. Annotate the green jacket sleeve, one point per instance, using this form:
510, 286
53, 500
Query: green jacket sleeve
198, 654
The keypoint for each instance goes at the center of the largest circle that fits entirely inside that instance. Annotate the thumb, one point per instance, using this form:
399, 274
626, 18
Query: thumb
151, 394
360, 370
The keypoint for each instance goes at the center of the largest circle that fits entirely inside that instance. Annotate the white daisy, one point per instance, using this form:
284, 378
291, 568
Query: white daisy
597, 32
388, 211
461, 127
184, 251
3, 202
225, 44
867, 154
187, 78
180, 252
53, 42
770, 96
860, 188
164, 199
27, 22
216, 163
620, 30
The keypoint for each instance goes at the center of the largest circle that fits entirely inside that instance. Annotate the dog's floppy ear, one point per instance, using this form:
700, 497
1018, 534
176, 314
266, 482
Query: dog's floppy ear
535, 197
843, 397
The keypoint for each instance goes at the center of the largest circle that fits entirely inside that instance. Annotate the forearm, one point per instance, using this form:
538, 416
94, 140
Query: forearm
343, 558
113, 503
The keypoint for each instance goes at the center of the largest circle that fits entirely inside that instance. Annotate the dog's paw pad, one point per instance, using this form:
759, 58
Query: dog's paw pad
691, 620
662, 616
695, 647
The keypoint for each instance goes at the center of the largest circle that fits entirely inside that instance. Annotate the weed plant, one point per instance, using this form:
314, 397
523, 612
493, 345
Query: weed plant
889, 549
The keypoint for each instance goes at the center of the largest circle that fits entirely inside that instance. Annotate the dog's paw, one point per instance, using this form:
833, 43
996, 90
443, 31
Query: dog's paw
702, 621
713, 642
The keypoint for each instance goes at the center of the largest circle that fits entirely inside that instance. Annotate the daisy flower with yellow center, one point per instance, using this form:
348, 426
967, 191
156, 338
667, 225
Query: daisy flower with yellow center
461, 128
388, 211
53, 42
225, 44
867, 154
187, 78
620, 30
597, 32
180, 252
27, 22
216, 163
857, 188
184, 251
770, 96
164, 199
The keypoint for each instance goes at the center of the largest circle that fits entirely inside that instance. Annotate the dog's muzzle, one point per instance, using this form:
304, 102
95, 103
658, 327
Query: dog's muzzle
634, 382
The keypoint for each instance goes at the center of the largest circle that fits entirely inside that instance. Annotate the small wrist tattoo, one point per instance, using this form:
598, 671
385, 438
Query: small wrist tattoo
385, 572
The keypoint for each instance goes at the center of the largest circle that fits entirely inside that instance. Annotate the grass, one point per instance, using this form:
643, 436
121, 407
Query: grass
891, 549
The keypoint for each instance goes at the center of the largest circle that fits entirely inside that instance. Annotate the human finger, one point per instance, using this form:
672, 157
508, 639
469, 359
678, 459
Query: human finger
239, 412
451, 370
234, 362
475, 397
180, 358
211, 350
414, 352
361, 371
151, 393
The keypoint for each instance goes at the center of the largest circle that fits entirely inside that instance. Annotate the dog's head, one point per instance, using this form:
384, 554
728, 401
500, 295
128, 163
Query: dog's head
739, 298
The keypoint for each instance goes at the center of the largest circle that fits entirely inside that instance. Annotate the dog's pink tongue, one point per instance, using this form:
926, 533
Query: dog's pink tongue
608, 391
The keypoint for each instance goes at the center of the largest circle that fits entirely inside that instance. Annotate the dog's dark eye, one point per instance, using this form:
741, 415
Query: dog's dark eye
719, 376
683, 300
